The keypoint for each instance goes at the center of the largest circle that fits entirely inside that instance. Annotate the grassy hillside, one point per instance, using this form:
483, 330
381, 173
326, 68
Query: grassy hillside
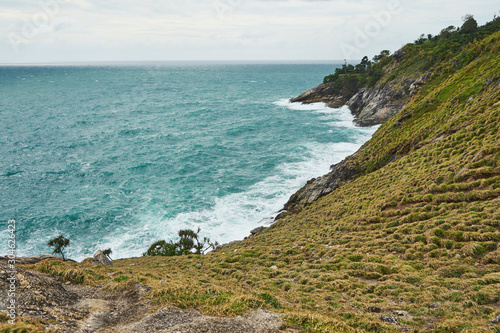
414, 237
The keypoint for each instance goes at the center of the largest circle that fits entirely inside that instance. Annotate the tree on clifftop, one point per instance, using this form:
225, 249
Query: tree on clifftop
59, 243
470, 24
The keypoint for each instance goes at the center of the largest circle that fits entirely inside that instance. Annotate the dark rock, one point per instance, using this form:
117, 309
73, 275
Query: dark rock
374, 309
256, 231
101, 259
399, 55
418, 83
325, 93
403, 118
316, 188
372, 106
389, 319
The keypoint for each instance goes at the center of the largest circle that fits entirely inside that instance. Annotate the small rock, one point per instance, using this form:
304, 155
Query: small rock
389, 319
496, 320
374, 309
256, 269
434, 305
274, 267
399, 313
163, 281
67, 282
276, 252
198, 265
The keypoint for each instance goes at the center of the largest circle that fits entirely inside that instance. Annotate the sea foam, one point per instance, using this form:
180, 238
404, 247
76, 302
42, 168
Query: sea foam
233, 216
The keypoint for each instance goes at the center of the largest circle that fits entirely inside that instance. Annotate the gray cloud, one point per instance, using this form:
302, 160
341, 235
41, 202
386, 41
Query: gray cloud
107, 30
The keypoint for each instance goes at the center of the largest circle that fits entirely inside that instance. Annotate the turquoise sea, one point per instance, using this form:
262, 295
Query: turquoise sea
121, 156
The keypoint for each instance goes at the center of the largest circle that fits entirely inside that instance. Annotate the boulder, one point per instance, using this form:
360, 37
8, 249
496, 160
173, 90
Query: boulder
101, 259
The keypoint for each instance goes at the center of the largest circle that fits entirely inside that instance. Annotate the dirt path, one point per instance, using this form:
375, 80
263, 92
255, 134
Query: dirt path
84, 309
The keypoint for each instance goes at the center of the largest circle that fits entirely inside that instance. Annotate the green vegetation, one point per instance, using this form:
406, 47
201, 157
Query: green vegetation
188, 243
414, 58
59, 243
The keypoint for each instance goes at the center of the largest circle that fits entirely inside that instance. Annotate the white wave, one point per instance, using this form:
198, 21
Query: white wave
233, 216
301, 107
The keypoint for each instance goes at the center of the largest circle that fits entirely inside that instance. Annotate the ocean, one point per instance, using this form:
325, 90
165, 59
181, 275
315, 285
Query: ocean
120, 156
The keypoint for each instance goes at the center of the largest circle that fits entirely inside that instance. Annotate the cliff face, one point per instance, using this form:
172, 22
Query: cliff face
323, 93
318, 187
370, 106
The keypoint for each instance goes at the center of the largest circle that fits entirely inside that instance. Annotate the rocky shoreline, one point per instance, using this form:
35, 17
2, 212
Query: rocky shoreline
370, 106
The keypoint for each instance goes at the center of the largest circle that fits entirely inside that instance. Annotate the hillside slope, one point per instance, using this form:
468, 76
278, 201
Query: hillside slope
408, 242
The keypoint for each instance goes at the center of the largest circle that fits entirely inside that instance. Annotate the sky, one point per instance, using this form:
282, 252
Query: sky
62, 31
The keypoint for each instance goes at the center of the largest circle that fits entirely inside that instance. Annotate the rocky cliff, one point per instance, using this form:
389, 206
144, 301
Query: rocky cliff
317, 187
370, 106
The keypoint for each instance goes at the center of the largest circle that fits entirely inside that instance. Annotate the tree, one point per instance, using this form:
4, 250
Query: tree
446, 32
162, 248
383, 53
107, 253
59, 243
189, 241
470, 24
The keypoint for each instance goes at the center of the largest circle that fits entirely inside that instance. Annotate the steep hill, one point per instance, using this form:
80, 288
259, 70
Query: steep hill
404, 238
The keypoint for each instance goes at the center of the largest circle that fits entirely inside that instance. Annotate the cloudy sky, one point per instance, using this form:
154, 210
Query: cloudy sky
36, 31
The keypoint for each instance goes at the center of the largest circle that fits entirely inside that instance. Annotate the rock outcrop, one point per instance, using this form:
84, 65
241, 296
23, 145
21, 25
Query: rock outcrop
101, 259
373, 106
317, 187
323, 93
370, 106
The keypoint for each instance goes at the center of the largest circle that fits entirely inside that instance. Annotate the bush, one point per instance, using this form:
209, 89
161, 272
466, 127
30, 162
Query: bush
188, 243
162, 248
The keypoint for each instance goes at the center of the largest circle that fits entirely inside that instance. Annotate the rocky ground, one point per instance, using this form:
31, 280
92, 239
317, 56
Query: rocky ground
65, 307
